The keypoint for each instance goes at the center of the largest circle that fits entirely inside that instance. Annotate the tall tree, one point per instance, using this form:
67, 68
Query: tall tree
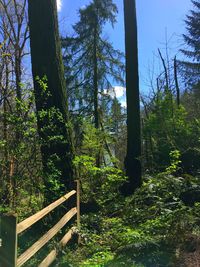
92, 59
94, 63
50, 95
191, 38
13, 39
132, 160
14, 15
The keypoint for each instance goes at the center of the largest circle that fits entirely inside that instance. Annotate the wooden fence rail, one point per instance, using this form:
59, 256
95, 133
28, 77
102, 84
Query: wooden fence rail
10, 230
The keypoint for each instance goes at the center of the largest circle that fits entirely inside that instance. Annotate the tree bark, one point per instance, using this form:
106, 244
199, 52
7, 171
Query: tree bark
48, 70
176, 82
6, 183
165, 71
133, 156
95, 84
95, 81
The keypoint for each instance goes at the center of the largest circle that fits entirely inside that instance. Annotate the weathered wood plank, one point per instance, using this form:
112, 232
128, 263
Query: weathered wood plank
49, 259
22, 226
45, 238
66, 238
8, 249
52, 255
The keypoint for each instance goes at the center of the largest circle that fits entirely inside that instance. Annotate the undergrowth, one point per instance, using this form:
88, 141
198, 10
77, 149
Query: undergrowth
147, 229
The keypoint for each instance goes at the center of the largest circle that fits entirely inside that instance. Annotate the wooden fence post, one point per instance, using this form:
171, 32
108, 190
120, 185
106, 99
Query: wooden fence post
8, 249
78, 208
78, 204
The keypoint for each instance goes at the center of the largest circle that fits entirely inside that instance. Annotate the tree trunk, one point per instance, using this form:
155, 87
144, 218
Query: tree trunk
6, 182
50, 95
176, 82
165, 71
18, 74
95, 84
95, 81
133, 157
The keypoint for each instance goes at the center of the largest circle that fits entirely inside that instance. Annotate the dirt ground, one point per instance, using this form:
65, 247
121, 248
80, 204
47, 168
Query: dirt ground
190, 255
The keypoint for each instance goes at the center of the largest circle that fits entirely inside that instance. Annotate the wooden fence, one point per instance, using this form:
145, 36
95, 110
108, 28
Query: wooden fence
10, 230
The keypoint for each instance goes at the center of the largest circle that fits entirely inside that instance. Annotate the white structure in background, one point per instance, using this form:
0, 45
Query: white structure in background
119, 92
59, 5
115, 91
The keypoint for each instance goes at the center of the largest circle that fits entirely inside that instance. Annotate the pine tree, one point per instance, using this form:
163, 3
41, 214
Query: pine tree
192, 40
90, 59
50, 95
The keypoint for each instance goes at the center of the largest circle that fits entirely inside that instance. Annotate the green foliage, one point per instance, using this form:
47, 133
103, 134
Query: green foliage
169, 129
20, 161
53, 176
191, 68
98, 259
55, 142
92, 140
101, 184
42, 83
175, 161
141, 230
90, 50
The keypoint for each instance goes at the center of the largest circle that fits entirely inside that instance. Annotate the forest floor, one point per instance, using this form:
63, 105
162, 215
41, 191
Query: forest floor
190, 257
155, 227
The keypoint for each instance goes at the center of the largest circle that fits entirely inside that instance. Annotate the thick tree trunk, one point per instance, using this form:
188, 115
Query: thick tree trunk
133, 157
51, 101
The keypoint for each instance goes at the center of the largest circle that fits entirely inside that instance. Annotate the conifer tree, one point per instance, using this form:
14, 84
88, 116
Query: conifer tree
90, 59
192, 52
132, 160
50, 95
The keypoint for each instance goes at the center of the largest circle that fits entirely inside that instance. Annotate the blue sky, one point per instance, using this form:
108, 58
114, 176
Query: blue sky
158, 20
